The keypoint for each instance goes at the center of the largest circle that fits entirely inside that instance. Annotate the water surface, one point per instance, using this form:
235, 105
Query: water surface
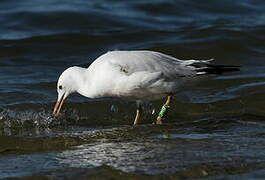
213, 131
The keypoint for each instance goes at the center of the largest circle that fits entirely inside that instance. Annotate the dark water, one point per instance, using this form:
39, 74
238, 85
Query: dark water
216, 131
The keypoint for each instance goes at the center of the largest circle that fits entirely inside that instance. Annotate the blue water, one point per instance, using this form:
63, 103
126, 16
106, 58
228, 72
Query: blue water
213, 130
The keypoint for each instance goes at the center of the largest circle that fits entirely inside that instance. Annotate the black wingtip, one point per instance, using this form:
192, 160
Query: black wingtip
217, 69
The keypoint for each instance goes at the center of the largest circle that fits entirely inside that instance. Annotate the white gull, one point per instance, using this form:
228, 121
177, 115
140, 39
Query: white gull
135, 75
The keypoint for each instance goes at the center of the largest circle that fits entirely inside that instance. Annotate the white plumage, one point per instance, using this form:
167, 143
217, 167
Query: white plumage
137, 75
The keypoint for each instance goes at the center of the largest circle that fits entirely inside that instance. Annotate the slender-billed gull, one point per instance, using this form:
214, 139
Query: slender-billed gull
135, 75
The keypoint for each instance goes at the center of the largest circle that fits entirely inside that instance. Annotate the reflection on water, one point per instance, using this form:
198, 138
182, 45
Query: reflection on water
167, 150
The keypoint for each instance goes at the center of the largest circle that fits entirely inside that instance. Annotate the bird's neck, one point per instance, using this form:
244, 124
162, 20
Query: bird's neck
84, 82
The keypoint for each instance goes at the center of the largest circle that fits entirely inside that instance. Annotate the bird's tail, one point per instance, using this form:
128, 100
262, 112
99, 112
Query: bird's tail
216, 69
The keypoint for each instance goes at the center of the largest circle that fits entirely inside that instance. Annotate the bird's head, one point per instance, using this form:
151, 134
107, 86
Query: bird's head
66, 85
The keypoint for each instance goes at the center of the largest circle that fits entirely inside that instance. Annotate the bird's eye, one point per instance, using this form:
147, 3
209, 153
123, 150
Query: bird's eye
60, 87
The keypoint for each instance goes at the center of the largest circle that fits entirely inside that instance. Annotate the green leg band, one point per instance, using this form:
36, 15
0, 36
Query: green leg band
163, 111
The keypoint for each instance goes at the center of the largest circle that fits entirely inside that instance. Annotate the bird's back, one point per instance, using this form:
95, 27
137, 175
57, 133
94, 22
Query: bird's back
150, 61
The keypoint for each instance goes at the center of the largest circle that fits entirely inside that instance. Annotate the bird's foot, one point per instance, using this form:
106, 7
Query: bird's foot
159, 120
135, 124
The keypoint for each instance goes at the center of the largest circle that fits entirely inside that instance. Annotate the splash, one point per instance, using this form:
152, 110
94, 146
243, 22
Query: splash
14, 122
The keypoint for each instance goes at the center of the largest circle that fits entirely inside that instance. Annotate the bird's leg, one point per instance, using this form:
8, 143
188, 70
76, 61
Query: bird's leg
138, 113
163, 111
